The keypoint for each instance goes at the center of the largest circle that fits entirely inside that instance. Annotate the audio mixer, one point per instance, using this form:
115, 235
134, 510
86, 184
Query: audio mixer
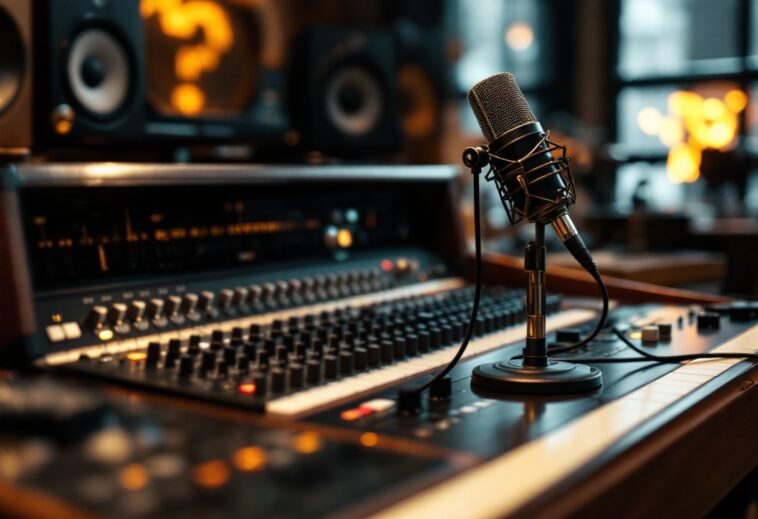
253, 325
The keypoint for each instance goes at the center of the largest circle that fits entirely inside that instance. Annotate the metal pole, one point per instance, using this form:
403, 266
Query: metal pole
535, 351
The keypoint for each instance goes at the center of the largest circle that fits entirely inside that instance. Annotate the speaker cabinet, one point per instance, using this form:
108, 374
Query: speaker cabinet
15, 74
89, 76
343, 92
79, 82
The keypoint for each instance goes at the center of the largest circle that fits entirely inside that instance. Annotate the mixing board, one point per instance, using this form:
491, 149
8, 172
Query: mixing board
253, 327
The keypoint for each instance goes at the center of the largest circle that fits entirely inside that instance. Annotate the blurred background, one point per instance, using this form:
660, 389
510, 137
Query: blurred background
655, 99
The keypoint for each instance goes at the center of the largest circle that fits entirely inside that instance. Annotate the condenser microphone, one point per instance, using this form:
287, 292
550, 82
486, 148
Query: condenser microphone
533, 183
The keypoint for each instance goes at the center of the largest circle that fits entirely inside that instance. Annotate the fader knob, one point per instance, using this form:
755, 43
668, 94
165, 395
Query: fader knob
225, 298
189, 303
96, 317
172, 305
154, 309
136, 311
117, 313
240, 296
205, 301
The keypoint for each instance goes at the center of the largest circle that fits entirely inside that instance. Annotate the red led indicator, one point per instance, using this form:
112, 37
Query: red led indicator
386, 265
246, 388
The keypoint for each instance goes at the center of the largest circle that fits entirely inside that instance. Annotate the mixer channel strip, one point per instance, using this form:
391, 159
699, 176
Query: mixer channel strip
300, 361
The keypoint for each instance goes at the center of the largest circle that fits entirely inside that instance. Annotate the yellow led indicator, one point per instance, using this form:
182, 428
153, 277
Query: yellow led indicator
105, 335
344, 238
57, 318
249, 459
369, 439
136, 356
635, 335
307, 443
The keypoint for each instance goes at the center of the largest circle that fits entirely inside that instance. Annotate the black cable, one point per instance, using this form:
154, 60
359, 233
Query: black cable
477, 293
650, 357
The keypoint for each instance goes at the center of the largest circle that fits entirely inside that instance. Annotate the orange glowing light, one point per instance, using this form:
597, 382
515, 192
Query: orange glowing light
246, 388
188, 99
736, 100
136, 356
369, 439
344, 238
184, 21
519, 36
307, 443
249, 459
671, 132
683, 164
713, 108
211, 474
133, 477
105, 335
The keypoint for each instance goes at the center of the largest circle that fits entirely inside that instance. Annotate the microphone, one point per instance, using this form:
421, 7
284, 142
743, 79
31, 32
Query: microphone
533, 184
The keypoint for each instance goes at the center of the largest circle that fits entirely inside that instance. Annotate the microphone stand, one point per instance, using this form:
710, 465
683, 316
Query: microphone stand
534, 372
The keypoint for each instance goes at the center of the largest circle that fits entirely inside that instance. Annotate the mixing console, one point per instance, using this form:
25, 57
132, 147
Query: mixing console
231, 316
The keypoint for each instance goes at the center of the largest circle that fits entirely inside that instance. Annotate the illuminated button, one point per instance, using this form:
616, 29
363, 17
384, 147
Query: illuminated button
96, 317
649, 334
105, 335
356, 413
369, 439
386, 265
71, 330
246, 387
136, 356
249, 459
379, 404
211, 474
117, 313
55, 333
136, 311
307, 442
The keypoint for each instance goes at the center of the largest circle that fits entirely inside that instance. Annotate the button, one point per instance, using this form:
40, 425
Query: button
664, 331
649, 334
96, 317
569, 335
708, 321
71, 330
55, 333
441, 389
379, 405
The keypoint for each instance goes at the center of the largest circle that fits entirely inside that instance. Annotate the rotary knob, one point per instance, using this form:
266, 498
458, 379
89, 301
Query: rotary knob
96, 317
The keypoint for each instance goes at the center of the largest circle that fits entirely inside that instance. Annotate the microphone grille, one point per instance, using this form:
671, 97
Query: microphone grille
499, 105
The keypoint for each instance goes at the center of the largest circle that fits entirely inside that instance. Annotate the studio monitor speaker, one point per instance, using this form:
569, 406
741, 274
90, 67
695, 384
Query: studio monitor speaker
15, 74
343, 91
78, 78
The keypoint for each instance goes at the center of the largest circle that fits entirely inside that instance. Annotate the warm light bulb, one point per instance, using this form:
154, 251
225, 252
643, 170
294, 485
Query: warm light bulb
519, 36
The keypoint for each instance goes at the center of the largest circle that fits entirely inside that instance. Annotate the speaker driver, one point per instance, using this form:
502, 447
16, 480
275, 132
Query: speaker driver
354, 101
11, 60
98, 72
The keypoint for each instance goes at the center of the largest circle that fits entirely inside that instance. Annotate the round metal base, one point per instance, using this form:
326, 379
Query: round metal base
556, 378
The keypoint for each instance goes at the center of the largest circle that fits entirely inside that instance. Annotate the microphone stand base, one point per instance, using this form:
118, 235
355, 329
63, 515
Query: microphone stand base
556, 378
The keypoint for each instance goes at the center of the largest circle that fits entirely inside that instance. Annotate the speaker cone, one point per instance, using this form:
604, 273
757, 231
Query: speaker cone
11, 60
354, 100
99, 73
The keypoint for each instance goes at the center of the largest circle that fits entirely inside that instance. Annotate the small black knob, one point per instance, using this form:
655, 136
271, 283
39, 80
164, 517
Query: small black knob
408, 401
186, 366
313, 371
230, 355
708, 321
278, 380
259, 379
208, 361
374, 356
153, 353
360, 356
296, 373
243, 363
330, 366
398, 349
441, 389
387, 350
424, 340
346, 362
